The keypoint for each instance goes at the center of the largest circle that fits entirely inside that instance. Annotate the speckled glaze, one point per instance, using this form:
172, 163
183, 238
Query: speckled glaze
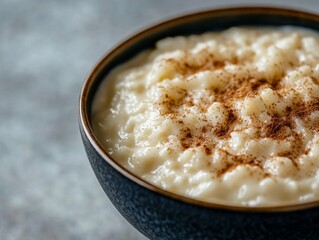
162, 215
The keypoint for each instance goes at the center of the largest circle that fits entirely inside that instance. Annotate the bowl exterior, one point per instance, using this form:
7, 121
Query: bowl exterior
159, 216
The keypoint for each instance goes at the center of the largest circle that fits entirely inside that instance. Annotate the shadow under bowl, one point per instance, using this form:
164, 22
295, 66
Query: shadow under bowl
159, 214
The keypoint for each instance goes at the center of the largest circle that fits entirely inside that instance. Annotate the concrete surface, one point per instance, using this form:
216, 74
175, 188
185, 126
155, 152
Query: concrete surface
47, 188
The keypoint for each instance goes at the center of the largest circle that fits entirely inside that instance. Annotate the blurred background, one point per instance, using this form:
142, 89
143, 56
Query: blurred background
47, 187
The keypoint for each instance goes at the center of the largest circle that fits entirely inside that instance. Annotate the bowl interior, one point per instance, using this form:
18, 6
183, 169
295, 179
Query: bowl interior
196, 23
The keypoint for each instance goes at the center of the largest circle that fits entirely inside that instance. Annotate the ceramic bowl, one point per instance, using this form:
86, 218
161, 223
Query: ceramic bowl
159, 214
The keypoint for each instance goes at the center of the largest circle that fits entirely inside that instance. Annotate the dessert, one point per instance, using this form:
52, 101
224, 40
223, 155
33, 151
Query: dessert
229, 116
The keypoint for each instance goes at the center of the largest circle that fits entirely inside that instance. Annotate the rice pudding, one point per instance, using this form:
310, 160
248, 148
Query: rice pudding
229, 116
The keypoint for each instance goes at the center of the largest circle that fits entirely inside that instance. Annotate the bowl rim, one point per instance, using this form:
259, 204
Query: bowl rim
84, 119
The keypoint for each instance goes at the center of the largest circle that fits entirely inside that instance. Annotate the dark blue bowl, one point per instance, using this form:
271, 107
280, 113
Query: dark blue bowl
159, 214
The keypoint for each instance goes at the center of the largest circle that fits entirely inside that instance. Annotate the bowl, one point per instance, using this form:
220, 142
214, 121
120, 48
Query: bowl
159, 214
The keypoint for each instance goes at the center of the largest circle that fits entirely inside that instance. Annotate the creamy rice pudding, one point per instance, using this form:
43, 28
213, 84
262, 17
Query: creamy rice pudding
229, 116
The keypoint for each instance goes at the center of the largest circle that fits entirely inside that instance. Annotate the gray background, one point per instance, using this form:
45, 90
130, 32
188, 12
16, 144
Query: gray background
47, 188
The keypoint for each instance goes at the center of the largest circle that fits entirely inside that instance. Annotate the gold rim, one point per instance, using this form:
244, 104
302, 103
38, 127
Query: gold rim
90, 80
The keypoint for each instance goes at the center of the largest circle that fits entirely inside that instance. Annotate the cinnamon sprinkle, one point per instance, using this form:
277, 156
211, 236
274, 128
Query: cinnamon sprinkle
278, 127
224, 130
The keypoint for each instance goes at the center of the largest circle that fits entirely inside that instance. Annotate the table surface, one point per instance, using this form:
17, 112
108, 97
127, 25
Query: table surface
47, 188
